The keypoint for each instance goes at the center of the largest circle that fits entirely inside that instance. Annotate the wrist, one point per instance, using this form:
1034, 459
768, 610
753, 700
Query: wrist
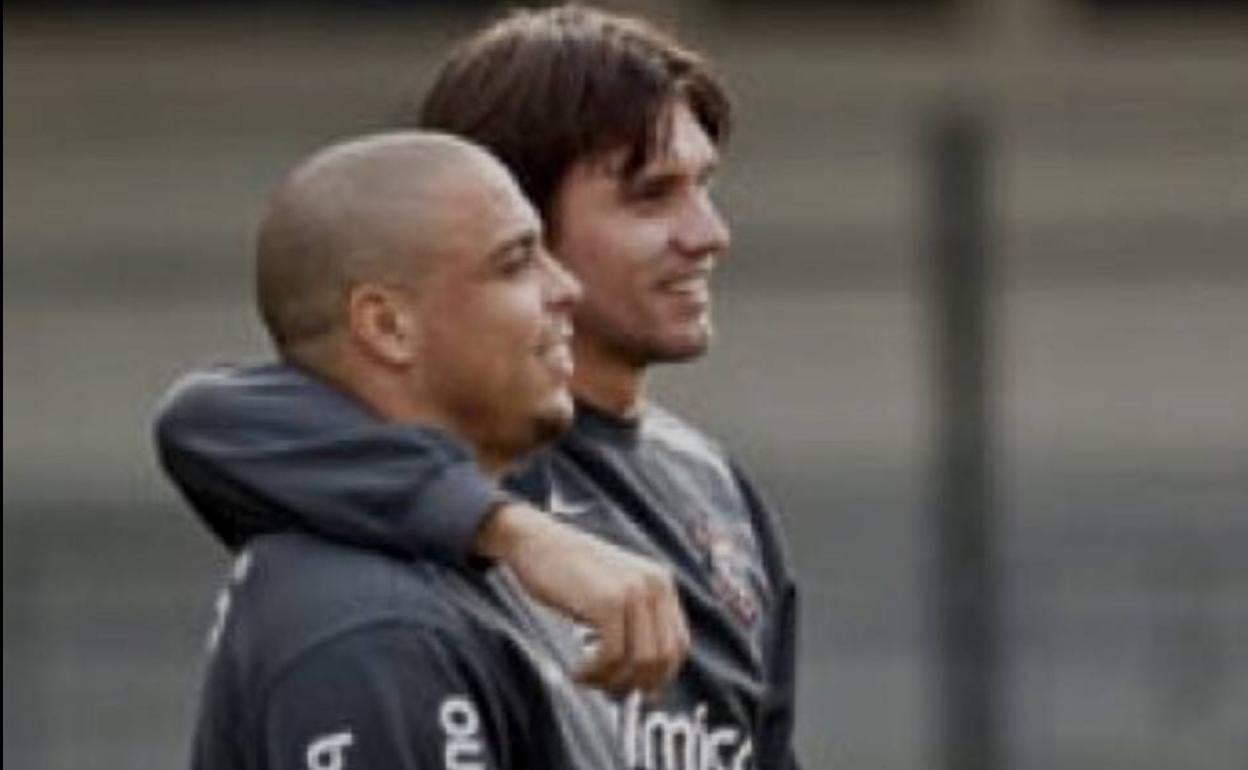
505, 529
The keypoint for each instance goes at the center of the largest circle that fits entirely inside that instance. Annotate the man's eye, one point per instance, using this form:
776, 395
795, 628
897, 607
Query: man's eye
517, 259
650, 191
655, 192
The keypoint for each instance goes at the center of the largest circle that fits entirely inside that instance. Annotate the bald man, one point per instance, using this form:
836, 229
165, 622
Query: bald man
406, 273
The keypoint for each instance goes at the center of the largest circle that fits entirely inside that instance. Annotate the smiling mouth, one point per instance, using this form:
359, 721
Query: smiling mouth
692, 290
690, 284
559, 359
555, 350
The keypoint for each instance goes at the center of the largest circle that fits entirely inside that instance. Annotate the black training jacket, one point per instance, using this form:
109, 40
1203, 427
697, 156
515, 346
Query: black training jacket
269, 447
326, 656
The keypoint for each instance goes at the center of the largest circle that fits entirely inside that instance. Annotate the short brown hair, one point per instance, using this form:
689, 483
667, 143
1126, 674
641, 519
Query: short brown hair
544, 90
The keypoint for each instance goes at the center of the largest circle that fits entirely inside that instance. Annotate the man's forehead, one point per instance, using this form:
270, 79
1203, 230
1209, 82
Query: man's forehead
681, 146
484, 183
684, 143
486, 209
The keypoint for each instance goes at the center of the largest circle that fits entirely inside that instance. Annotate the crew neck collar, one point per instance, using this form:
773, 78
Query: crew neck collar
601, 422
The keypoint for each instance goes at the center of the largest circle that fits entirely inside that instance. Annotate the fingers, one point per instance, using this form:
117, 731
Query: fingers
607, 654
629, 601
661, 640
642, 661
611, 666
643, 638
673, 636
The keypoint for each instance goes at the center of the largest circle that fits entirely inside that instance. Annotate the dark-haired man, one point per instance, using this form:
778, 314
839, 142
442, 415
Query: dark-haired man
612, 129
405, 273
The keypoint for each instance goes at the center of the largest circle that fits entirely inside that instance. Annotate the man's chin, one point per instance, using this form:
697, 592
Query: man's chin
687, 345
554, 419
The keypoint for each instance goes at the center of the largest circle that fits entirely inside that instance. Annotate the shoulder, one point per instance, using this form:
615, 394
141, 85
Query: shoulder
676, 435
292, 593
204, 386
663, 428
679, 440
686, 449
396, 693
248, 390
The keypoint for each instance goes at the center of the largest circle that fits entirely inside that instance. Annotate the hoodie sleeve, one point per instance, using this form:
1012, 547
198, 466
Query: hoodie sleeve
268, 448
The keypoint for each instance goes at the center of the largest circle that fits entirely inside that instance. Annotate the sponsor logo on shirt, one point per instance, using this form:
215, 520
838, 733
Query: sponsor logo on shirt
655, 739
462, 726
728, 549
329, 752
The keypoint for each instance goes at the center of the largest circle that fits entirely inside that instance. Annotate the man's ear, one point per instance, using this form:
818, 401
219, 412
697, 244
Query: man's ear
383, 322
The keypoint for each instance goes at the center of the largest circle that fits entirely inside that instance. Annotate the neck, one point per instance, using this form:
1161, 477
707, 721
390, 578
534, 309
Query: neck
493, 466
389, 398
606, 380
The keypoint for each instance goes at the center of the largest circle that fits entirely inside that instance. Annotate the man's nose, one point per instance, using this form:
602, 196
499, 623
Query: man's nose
563, 291
701, 229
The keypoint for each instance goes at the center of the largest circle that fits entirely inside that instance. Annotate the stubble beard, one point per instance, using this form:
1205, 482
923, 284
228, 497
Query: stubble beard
549, 426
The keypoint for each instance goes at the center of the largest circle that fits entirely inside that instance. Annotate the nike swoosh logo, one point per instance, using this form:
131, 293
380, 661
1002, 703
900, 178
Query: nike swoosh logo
561, 506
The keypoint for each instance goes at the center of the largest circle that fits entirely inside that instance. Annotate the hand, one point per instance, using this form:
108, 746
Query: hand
628, 600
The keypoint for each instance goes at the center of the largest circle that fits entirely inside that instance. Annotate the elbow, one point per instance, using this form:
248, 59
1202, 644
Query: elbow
183, 412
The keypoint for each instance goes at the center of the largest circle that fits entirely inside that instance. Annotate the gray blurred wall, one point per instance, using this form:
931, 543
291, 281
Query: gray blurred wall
137, 155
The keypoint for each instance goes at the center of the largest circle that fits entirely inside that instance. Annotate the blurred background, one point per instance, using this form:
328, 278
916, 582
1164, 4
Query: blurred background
1099, 371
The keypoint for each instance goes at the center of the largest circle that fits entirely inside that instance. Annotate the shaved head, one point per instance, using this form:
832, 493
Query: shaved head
409, 270
362, 210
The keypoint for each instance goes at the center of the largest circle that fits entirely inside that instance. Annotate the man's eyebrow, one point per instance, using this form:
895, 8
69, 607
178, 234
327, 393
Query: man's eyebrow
526, 238
667, 169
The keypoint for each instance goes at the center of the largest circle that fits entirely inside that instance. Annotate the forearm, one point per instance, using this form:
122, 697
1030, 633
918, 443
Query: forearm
270, 448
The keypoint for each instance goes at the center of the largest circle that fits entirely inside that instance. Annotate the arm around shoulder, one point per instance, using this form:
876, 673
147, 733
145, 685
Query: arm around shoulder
271, 447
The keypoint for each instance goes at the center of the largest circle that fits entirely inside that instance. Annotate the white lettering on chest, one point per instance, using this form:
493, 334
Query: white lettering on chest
329, 752
680, 740
462, 726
